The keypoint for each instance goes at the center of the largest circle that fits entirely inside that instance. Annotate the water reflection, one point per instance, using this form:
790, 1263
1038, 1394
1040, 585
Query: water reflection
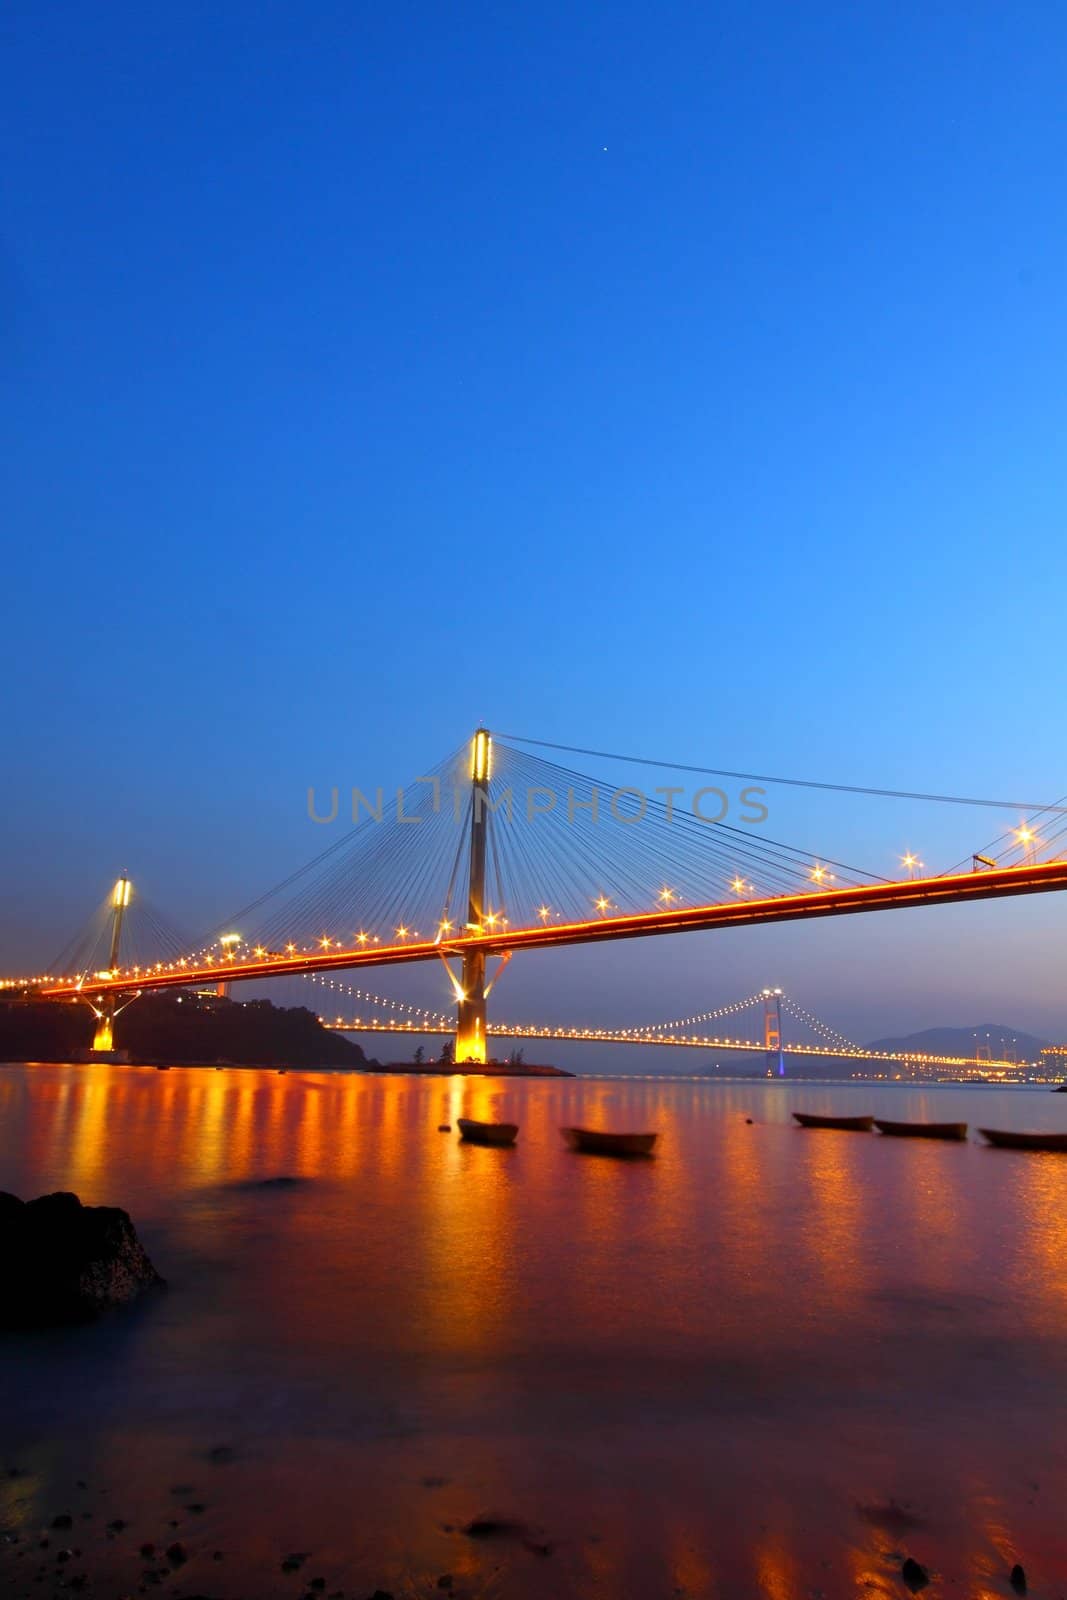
687, 1374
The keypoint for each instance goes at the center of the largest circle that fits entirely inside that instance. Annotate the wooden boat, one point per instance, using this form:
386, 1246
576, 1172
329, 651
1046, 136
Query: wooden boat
922, 1130
486, 1132
846, 1124
1025, 1141
594, 1141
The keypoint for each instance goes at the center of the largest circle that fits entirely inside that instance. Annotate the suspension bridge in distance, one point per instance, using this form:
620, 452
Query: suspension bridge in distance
468, 873
684, 1033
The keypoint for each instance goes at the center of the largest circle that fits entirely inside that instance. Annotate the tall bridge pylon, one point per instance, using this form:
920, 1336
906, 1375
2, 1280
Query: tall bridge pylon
772, 1031
471, 993
107, 1008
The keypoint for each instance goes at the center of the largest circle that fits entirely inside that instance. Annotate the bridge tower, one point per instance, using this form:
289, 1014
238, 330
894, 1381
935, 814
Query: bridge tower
470, 1024
103, 1038
772, 1031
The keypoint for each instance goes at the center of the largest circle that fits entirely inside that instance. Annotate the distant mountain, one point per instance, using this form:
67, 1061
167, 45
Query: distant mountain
1004, 1043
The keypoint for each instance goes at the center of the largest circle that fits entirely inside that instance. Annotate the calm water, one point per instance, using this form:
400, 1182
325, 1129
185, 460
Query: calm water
722, 1372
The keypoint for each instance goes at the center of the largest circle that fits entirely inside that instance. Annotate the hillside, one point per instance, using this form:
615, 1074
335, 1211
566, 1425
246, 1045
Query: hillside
1004, 1043
180, 1025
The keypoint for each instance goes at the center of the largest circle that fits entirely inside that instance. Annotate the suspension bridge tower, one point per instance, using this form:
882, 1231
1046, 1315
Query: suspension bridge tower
104, 1037
470, 1023
772, 1031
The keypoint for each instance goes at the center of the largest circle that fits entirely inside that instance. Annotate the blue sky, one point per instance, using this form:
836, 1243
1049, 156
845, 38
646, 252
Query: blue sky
684, 380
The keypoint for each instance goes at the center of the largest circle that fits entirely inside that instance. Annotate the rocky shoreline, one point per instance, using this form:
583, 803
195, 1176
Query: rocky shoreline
65, 1262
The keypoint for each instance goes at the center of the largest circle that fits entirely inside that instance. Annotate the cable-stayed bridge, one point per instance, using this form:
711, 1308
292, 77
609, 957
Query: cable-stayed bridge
497, 851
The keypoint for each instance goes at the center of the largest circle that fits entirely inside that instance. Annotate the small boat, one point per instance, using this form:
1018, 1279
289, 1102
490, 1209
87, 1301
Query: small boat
1025, 1141
594, 1141
1061, 1088
846, 1124
486, 1132
922, 1130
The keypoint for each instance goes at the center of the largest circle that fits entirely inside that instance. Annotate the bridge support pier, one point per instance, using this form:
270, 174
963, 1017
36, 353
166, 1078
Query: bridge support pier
471, 1021
471, 1043
104, 1037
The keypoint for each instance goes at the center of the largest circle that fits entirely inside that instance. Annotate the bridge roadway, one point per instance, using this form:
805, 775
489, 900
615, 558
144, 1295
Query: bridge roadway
953, 888
509, 1030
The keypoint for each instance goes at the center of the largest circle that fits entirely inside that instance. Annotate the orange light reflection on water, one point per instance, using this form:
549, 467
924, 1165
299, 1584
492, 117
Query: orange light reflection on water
689, 1371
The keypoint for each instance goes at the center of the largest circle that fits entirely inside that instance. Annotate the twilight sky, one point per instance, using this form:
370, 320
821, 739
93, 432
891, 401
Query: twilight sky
684, 380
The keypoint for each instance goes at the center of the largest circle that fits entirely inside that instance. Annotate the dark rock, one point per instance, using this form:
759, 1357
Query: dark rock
892, 1518
283, 1180
196, 1508
117, 1526
494, 1528
63, 1521
380, 1594
316, 1583
749, 1121
65, 1262
64, 1555
220, 1454
294, 1562
1018, 1579
177, 1553
444, 1127
445, 1581
915, 1576
148, 1551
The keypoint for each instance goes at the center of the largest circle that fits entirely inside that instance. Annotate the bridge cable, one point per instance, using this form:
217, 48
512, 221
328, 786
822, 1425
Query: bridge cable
795, 783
